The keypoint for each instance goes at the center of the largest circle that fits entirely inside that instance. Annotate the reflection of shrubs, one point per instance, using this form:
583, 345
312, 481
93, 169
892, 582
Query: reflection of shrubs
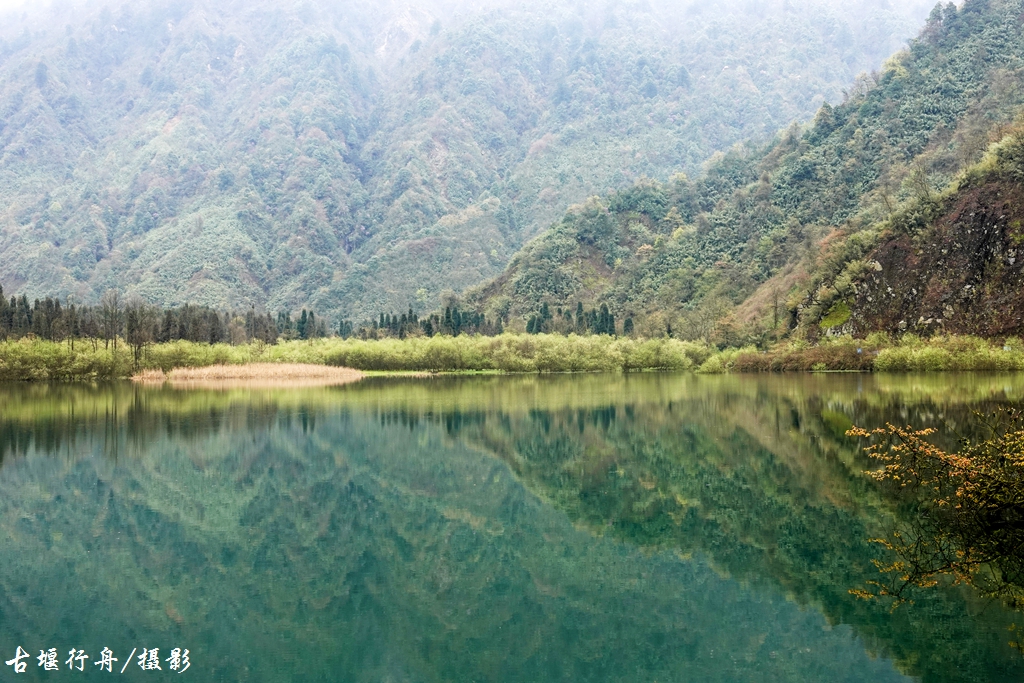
965, 509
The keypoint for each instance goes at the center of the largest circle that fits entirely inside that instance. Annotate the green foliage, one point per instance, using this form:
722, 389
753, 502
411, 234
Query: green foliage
36, 360
713, 366
816, 200
837, 316
45, 361
878, 353
277, 157
946, 354
513, 353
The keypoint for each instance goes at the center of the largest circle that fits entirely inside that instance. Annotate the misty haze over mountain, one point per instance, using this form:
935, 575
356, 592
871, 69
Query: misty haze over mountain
363, 156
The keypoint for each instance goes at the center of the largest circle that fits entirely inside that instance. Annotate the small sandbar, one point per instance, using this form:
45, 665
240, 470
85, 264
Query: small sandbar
252, 376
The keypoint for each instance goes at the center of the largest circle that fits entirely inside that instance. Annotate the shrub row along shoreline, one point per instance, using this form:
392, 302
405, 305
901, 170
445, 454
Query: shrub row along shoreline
37, 360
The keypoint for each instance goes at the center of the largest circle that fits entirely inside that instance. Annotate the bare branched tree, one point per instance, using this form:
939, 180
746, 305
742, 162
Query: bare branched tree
112, 314
140, 321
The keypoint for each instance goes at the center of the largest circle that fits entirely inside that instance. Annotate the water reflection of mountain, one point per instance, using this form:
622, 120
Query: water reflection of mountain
358, 530
766, 485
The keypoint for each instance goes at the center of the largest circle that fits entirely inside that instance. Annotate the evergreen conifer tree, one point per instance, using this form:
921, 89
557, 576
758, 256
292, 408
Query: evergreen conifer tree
167, 331
5, 309
544, 318
74, 325
217, 331
605, 321
250, 323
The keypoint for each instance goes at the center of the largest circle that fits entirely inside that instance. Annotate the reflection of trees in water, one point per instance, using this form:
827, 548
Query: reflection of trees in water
457, 421
127, 425
769, 488
761, 480
377, 551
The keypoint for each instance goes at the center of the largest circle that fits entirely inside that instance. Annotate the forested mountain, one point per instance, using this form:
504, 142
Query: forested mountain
898, 209
355, 156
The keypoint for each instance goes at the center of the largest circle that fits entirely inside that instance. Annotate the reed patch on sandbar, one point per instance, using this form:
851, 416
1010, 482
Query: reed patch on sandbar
252, 375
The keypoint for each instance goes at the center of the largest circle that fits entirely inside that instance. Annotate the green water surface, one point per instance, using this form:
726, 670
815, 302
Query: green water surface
594, 528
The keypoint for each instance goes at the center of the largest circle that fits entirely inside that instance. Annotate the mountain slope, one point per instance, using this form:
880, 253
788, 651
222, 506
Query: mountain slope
760, 242
960, 272
360, 155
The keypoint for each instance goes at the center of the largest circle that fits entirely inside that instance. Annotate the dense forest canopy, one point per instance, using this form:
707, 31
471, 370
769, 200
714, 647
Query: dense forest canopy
364, 156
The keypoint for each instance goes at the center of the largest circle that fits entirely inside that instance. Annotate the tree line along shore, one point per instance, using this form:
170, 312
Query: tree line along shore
139, 324
123, 337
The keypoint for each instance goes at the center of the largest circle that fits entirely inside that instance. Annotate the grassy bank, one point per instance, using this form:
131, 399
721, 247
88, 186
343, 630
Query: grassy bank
36, 360
879, 353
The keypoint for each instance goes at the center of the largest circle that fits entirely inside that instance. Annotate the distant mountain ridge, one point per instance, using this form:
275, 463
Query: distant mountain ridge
359, 156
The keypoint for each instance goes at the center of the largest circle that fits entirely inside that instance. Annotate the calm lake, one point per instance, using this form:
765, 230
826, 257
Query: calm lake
590, 528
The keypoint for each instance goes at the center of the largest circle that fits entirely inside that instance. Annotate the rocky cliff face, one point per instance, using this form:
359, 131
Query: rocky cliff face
964, 274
